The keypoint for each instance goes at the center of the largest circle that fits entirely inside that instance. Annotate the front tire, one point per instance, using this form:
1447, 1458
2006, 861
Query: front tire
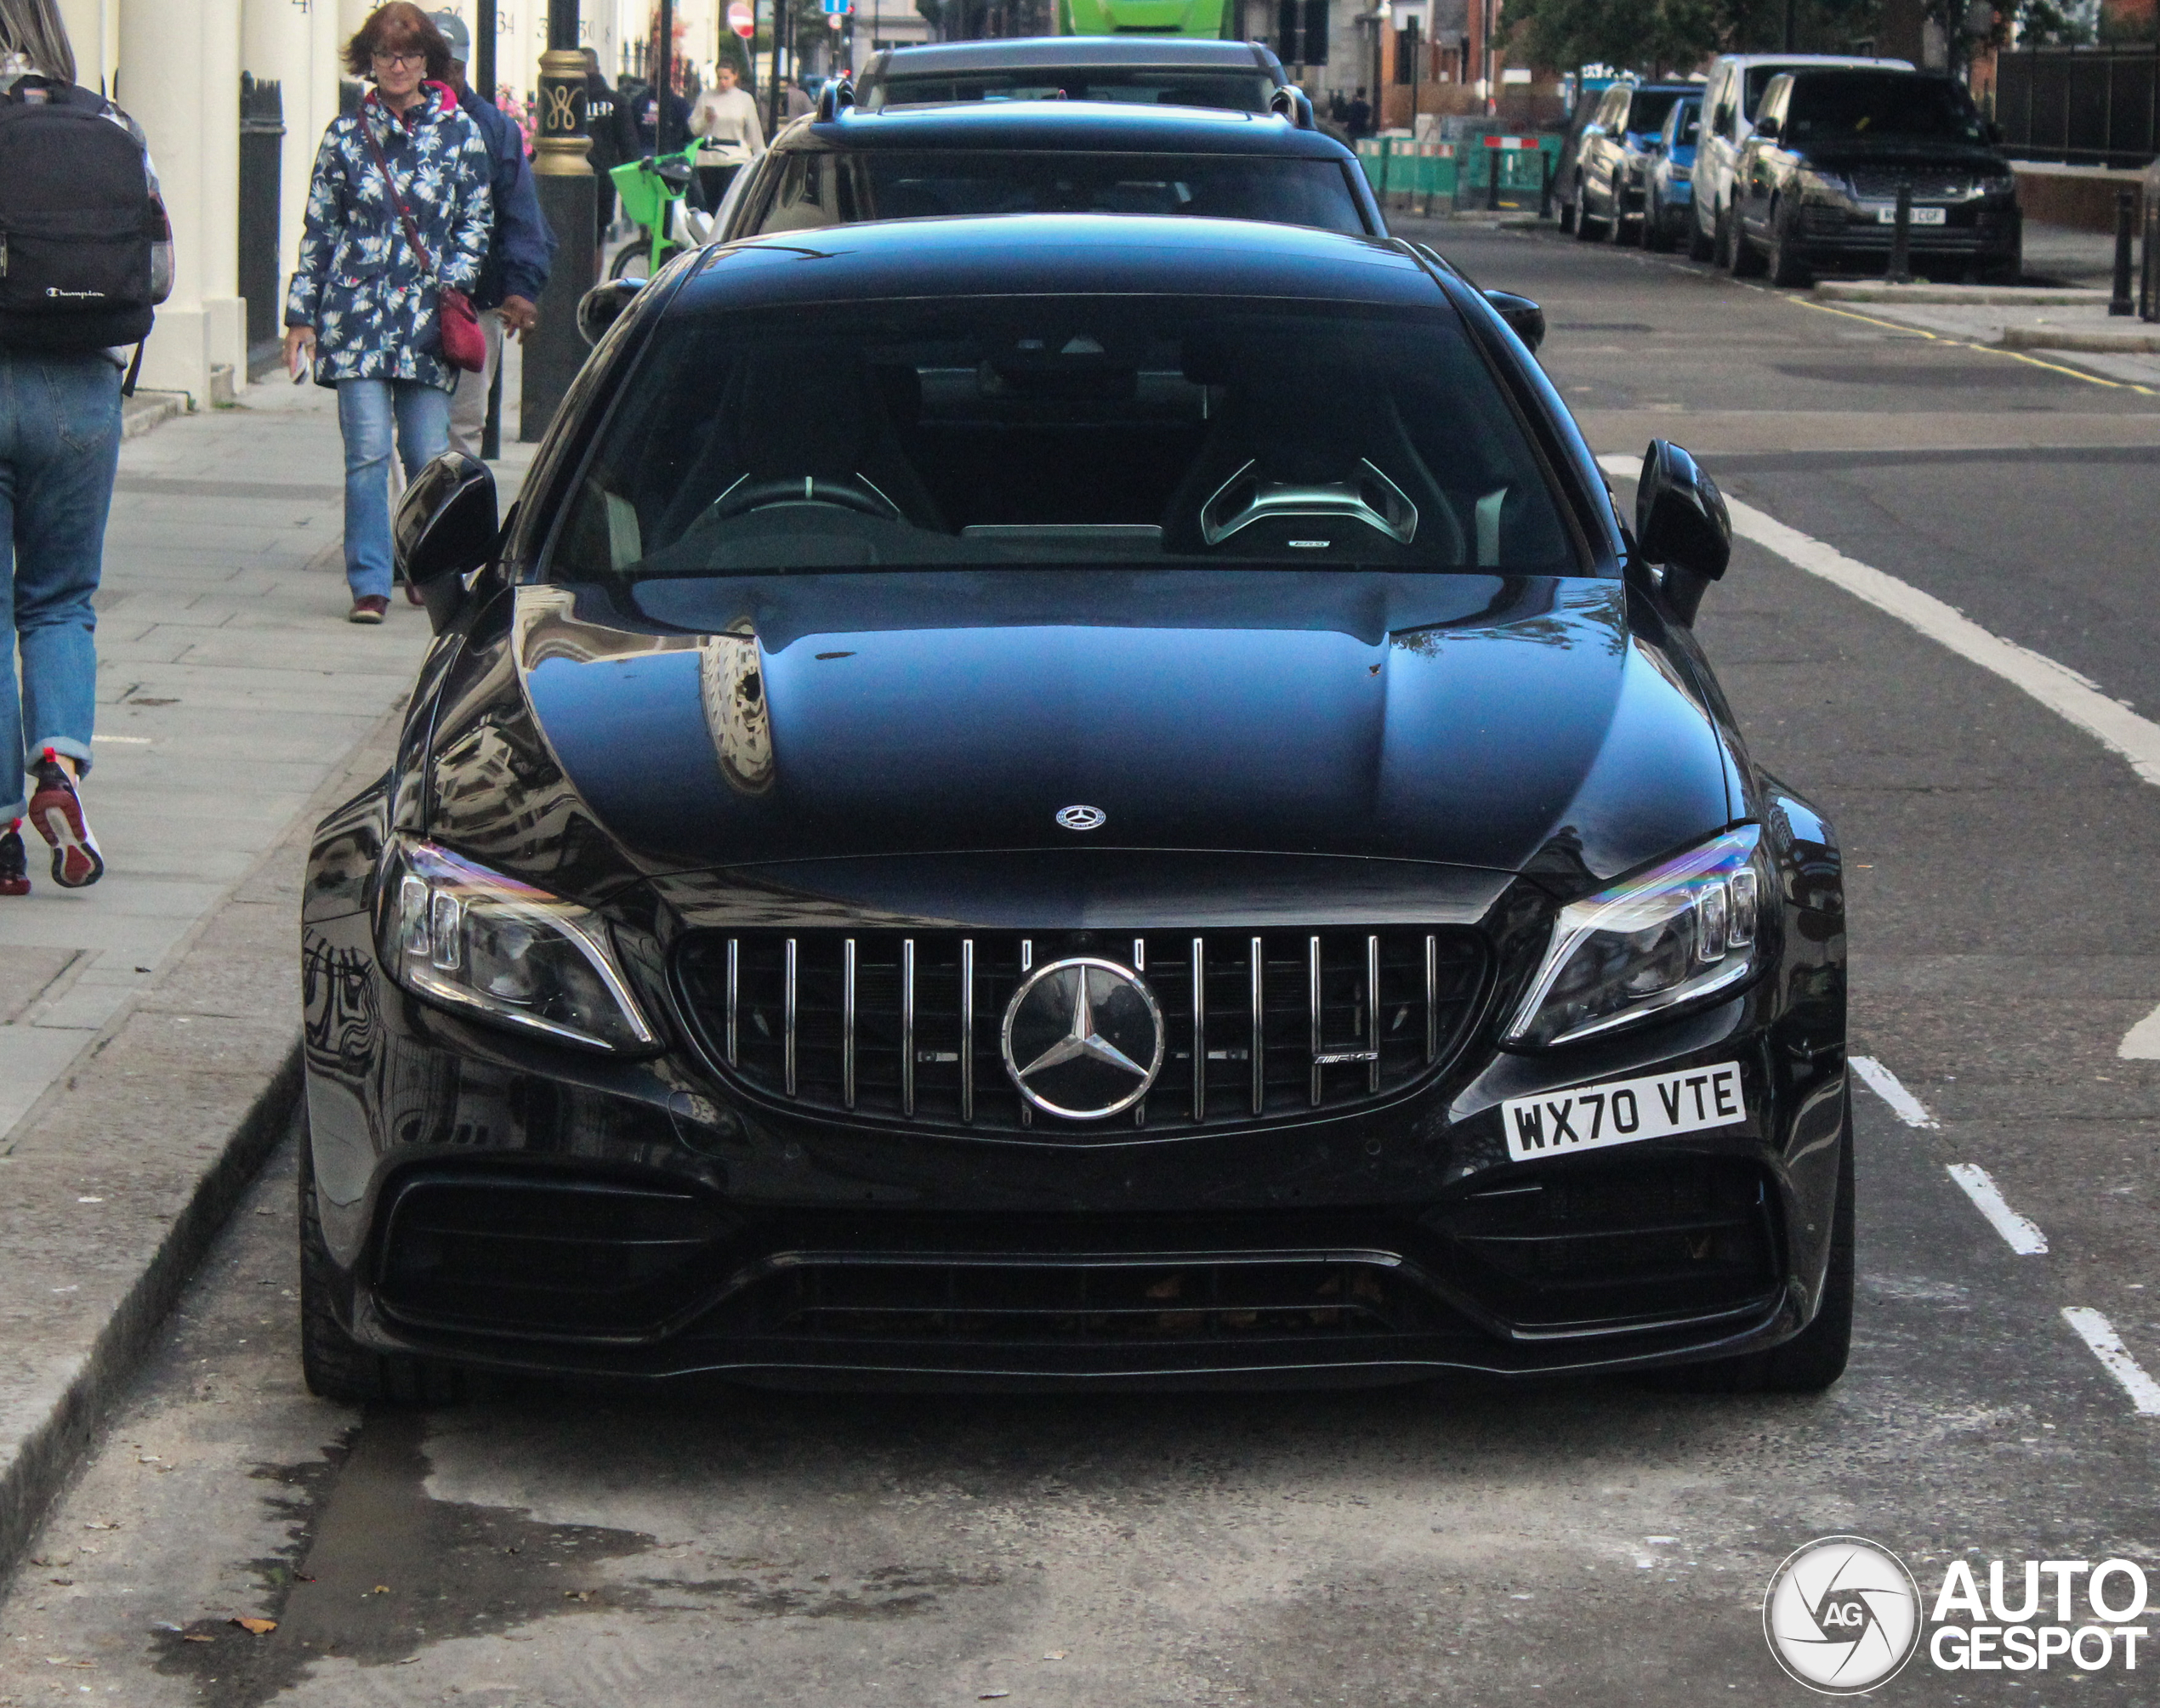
1740, 256
1657, 228
633, 260
1789, 269
336, 1367
1702, 246
1586, 228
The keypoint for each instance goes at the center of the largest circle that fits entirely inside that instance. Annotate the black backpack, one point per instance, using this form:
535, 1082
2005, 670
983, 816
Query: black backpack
78, 222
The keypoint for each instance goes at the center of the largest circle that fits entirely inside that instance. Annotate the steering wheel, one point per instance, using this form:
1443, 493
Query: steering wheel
857, 495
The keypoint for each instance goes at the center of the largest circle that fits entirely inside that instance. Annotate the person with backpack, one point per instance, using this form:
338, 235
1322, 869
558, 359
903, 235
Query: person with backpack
89, 256
401, 213
519, 257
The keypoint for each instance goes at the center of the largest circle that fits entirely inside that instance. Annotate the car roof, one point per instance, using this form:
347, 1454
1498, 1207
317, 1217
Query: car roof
1802, 61
1054, 53
1068, 126
1050, 254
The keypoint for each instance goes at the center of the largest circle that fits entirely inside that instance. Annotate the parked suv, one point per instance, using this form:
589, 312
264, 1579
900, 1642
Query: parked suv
1818, 181
1730, 100
1611, 172
1148, 71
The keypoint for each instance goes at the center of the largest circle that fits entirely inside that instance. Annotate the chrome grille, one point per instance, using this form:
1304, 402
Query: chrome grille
1879, 184
1261, 1026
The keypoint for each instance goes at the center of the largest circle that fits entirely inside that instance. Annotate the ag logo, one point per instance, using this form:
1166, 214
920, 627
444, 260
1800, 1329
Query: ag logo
1842, 1615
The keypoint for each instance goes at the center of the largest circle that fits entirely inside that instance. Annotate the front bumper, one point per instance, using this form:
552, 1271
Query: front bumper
509, 1205
1973, 231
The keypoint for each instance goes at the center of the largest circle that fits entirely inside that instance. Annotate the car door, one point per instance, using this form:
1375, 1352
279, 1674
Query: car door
1763, 160
1715, 157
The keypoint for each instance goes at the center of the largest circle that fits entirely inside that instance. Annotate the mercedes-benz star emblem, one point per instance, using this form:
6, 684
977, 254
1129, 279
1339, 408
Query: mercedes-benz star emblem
1081, 818
1082, 1038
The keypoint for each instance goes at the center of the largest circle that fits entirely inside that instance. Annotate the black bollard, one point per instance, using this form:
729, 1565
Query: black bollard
2125, 218
1492, 182
1545, 185
1901, 255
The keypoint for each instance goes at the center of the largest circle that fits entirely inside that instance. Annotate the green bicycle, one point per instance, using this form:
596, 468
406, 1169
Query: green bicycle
652, 190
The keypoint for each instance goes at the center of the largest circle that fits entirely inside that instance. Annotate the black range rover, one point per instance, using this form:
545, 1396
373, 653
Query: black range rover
1061, 800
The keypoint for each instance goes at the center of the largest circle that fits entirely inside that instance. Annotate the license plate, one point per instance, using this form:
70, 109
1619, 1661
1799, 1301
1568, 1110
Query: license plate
1921, 216
1622, 1112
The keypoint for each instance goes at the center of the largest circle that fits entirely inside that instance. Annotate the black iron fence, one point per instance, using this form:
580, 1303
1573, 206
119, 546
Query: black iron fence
262, 131
2082, 106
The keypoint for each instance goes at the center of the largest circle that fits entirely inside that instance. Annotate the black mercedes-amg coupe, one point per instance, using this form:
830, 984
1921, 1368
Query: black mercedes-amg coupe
1070, 800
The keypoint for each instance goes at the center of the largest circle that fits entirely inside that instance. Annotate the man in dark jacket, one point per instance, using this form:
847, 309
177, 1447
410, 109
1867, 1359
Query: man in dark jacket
612, 140
518, 257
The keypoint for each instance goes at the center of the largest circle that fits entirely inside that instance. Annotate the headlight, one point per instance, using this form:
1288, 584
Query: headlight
459, 933
1678, 933
1825, 186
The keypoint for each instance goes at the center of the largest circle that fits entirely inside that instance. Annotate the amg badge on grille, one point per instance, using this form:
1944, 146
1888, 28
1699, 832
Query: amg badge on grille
1082, 1038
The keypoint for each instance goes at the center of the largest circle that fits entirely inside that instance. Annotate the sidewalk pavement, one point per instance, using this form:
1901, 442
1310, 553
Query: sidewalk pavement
149, 1025
2069, 328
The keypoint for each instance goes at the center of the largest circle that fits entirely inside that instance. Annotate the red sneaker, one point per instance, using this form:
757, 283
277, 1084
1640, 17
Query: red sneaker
14, 865
373, 608
57, 811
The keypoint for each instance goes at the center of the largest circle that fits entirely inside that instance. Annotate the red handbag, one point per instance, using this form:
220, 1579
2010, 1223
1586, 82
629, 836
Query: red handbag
464, 346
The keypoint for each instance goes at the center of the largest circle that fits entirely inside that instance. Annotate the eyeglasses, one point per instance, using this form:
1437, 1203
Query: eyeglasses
400, 61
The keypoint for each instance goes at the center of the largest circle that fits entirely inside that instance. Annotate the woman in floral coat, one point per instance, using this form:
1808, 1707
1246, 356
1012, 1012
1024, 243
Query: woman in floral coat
361, 300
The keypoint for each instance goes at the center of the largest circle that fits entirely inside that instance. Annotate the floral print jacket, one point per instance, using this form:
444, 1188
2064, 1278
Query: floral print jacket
359, 284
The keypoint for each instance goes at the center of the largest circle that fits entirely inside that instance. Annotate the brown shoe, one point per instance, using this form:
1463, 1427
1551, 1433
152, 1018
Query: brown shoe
372, 609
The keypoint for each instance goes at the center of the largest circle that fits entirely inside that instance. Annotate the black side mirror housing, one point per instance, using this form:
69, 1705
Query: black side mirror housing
1766, 129
602, 306
1681, 524
446, 528
1524, 319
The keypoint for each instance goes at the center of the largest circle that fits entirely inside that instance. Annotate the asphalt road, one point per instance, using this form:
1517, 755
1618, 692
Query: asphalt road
1462, 1544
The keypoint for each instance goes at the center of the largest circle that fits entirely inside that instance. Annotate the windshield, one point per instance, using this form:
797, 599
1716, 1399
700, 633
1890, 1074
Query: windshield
1646, 110
1872, 104
816, 188
1061, 430
1244, 92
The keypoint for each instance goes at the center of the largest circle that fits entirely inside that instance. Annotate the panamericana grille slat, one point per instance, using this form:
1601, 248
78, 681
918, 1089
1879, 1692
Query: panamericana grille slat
905, 1027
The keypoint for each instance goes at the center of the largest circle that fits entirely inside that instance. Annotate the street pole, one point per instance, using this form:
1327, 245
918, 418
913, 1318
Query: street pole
553, 350
666, 82
772, 70
490, 433
1791, 26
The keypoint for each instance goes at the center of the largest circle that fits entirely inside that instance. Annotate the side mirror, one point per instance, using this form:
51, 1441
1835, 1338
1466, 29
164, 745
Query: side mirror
602, 306
1994, 133
446, 528
1680, 522
1766, 129
1294, 105
1524, 319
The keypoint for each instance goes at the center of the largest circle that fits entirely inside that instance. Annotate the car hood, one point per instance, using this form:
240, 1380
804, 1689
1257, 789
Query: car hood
1841, 154
1506, 722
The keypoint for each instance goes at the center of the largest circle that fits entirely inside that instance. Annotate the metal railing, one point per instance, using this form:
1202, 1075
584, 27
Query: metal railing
2080, 106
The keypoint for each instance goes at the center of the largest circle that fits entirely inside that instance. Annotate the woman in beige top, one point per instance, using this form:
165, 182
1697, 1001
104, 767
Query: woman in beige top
725, 117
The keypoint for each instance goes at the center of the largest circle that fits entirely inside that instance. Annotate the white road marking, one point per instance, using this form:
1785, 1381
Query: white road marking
125, 741
2098, 1333
2141, 1043
2076, 699
2022, 1236
1883, 1083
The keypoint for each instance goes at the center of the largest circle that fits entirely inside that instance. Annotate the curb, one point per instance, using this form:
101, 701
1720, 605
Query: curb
147, 409
117, 1180
46, 1457
1976, 296
2092, 340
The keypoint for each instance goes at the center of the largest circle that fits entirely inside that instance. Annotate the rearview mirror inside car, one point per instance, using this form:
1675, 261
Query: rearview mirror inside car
1681, 524
446, 528
602, 306
1524, 319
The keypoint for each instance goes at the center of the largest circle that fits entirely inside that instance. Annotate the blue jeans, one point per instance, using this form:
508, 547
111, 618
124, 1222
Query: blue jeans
367, 410
59, 446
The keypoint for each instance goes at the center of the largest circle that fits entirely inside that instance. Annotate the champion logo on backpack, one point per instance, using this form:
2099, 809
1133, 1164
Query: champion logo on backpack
55, 291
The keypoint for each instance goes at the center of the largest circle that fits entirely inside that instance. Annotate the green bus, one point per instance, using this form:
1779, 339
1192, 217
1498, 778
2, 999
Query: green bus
1188, 18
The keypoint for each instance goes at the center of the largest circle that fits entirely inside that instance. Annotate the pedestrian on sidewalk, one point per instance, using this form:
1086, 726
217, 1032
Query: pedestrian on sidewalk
612, 140
409, 165
725, 118
519, 251
74, 305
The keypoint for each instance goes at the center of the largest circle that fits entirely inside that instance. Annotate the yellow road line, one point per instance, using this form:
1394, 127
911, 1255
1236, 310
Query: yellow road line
1990, 350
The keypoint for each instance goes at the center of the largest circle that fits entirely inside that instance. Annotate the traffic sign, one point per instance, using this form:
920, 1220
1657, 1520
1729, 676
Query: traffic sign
742, 19
838, 8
